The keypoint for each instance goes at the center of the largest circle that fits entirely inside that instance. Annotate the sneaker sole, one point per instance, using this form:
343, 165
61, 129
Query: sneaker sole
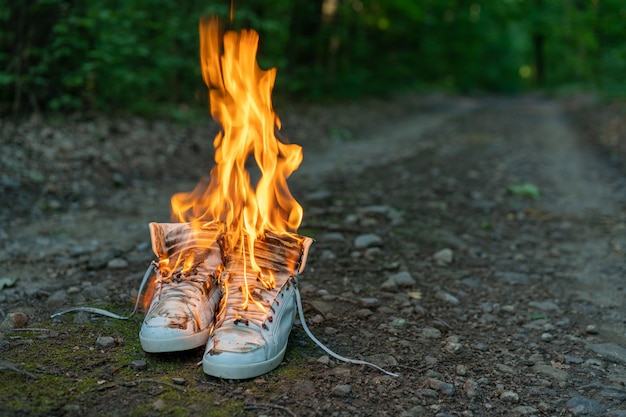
176, 344
242, 371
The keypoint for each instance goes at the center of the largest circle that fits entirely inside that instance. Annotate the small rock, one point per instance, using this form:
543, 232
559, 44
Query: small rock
429, 393
105, 341
524, 410
471, 388
139, 364
509, 396
57, 298
95, 292
547, 337
389, 285
324, 360
572, 359
403, 279
513, 278
461, 370
117, 263
179, 381
449, 298
430, 360
328, 255
17, 320
591, 329
369, 302
364, 312
544, 305
342, 390
398, 322
581, 406
441, 386
431, 333
505, 369
552, 372
332, 237
444, 256
610, 351
367, 240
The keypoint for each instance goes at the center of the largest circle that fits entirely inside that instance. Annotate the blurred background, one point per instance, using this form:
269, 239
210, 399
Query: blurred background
141, 56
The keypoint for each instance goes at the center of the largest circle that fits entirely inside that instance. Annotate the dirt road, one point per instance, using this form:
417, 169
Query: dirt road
495, 287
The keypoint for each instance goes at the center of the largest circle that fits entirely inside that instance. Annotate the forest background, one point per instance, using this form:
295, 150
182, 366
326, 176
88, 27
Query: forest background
141, 56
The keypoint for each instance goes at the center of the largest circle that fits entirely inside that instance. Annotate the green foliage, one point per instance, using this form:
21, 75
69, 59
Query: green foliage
141, 54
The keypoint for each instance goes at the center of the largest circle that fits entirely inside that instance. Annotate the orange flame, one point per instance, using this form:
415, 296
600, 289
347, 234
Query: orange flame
240, 101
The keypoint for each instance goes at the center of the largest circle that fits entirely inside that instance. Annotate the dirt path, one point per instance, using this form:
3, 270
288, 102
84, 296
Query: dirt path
495, 287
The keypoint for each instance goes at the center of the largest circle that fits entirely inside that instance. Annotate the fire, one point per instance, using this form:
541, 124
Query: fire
240, 101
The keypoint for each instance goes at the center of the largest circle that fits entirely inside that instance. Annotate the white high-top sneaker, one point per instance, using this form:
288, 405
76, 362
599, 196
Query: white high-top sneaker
182, 311
256, 312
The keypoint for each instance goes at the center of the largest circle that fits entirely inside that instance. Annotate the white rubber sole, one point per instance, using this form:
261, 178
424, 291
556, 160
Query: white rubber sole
175, 344
234, 370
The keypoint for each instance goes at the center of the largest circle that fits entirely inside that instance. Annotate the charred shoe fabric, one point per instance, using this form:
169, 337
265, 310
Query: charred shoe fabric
184, 294
258, 307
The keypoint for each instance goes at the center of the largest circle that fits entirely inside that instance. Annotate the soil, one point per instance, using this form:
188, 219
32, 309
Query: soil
492, 281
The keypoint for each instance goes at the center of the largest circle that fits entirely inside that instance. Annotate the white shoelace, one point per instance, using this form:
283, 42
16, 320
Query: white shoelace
152, 268
326, 349
106, 313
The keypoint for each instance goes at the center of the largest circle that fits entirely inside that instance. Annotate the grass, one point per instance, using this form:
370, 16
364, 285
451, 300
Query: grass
62, 371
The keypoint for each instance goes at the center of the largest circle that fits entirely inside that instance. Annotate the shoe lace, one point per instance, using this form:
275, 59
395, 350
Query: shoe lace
151, 269
182, 244
325, 348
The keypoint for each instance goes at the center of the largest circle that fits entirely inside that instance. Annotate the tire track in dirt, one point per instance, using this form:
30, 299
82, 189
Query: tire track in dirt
587, 195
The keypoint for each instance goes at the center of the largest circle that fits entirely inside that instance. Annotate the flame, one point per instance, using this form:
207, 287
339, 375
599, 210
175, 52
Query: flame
240, 101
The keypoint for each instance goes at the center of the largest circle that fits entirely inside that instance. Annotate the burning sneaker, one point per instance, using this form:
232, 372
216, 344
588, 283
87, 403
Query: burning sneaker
185, 291
258, 307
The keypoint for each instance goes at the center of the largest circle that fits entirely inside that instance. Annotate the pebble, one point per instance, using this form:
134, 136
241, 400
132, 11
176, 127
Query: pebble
117, 263
324, 360
524, 410
369, 301
57, 298
105, 341
179, 381
552, 372
364, 312
610, 351
342, 390
332, 237
572, 359
449, 298
444, 257
547, 337
431, 333
544, 305
389, 285
581, 406
441, 386
471, 388
139, 364
461, 370
403, 279
513, 278
95, 292
505, 369
429, 393
17, 320
367, 240
591, 329
509, 396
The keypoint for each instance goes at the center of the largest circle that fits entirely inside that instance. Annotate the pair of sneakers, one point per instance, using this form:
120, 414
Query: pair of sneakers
205, 292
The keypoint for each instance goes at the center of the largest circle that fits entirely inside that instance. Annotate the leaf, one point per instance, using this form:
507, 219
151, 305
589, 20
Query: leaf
6, 282
526, 189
